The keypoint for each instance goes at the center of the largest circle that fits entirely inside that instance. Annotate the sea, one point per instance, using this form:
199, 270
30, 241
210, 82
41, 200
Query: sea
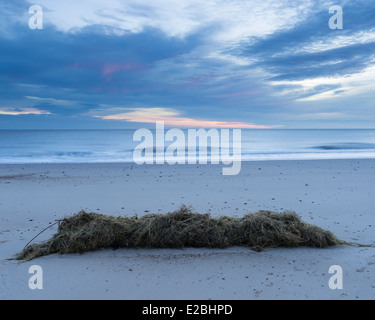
117, 146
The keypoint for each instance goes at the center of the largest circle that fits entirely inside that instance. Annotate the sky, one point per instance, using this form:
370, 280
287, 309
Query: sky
190, 63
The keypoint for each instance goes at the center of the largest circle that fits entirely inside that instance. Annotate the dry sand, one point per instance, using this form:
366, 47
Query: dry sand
337, 195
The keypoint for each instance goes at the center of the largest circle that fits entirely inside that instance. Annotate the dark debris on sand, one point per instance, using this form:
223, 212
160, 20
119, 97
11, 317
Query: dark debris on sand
85, 232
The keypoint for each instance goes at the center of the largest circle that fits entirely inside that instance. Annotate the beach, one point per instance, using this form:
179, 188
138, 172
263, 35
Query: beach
337, 195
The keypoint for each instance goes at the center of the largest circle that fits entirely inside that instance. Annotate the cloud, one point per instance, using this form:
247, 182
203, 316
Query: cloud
310, 63
52, 101
234, 20
113, 67
343, 86
223, 63
321, 116
22, 111
172, 118
337, 41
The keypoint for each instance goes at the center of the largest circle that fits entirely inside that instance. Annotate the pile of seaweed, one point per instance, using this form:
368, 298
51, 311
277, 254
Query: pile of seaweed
85, 232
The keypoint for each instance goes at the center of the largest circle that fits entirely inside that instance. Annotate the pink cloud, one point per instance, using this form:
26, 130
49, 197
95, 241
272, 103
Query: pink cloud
111, 68
22, 111
108, 68
171, 117
74, 66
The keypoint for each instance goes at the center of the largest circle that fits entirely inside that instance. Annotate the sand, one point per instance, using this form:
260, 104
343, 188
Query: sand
337, 195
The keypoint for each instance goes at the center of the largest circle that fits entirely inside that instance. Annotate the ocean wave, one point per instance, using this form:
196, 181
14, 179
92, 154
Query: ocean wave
115, 146
347, 146
73, 154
